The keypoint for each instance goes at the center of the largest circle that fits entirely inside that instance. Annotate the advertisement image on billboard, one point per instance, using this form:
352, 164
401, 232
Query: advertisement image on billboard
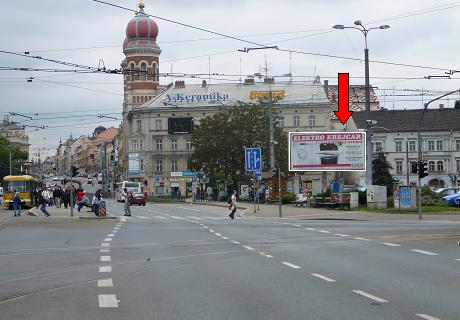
133, 163
327, 151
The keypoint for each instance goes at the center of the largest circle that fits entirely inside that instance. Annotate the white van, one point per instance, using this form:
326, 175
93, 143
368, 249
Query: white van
134, 187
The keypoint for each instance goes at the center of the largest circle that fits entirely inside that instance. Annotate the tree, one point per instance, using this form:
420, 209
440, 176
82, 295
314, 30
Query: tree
219, 142
381, 172
17, 157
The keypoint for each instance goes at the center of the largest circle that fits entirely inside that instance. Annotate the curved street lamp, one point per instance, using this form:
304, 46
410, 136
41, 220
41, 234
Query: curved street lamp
360, 27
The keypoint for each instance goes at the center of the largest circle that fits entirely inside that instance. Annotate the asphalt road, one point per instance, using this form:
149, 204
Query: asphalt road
193, 262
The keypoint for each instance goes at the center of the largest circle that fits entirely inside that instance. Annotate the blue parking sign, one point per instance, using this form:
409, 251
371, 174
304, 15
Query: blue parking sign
253, 159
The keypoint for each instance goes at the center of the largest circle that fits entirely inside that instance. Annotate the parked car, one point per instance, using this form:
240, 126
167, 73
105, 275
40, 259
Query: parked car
447, 191
453, 199
138, 198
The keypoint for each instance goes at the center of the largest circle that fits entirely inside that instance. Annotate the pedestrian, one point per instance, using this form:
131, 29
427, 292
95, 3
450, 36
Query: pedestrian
83, 202
209, 192
127, 196
96, 200
233, 205
57, 193
43, 202
17, 203
35, 195
66, 197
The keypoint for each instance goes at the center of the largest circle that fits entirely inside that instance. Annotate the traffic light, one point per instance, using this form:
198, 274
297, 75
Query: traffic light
414, 167
422, 169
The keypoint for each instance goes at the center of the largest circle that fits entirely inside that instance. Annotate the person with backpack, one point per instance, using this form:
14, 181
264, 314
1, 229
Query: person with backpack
17, 203
232, 205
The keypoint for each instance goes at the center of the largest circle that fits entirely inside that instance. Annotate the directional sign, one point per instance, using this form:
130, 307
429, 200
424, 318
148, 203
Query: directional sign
253, 159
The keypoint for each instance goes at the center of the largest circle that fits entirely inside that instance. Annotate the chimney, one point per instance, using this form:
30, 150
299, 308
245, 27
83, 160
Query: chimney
179, 84
269, 80
203, 84
326, 87
441, 106
249, 81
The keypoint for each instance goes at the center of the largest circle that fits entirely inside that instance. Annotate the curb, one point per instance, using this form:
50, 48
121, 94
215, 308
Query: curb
32, 213
98, 218
215, 205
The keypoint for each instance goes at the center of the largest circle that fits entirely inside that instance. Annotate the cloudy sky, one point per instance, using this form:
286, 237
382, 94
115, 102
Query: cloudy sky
423, 33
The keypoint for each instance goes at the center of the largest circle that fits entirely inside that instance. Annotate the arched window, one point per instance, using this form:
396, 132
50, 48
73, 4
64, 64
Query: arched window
440, 165
142, 99
138, 100
431, 166
154, 72
143, 71
132, 71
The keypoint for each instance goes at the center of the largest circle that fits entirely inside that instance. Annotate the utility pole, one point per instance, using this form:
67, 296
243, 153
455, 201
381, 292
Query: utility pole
11, 171
407, 162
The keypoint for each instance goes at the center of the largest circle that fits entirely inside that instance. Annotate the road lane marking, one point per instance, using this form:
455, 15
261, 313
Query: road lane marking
290, 265
206, 227
210, 230
341, 235
225, 238
105, 244
104, 250
188, 209
324, 231
235, 242
105, 269
218, 234
176, 217
105, 283
311, 229
323, 277
370, 296
297, 225
426, 316
111, 235
108, 239
262, 253
106, 258
364, 239
391, 244
122, 219
457, 259
142, 217
269, 256
248, 247
108, 301
425, 252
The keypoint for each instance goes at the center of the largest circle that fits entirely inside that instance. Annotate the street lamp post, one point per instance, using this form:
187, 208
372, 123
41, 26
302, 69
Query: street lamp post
365, 31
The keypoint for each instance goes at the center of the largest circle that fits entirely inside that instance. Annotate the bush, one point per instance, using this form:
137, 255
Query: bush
390, 202
287, 198
431, 198
324, 194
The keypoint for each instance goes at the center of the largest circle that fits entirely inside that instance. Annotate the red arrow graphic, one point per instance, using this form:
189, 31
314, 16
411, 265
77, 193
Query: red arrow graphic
344, 112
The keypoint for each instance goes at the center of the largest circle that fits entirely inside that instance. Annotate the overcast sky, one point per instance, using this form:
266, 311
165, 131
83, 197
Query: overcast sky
423, 33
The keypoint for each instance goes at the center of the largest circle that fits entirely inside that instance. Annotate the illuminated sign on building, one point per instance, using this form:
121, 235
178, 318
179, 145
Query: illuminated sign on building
182, 97
276, 94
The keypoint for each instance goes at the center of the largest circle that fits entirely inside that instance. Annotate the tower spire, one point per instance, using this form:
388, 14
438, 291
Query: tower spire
141, 5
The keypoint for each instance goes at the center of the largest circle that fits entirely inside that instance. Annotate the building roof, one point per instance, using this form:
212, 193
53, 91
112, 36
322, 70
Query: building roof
108, 134
408, 120
215, 95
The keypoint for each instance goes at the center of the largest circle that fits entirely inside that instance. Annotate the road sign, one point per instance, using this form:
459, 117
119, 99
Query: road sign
253, 159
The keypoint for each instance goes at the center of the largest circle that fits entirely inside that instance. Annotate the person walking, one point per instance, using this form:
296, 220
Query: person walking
233, 205
66, 197
96, 200
127, 196
57, 193
17, 203
43, 202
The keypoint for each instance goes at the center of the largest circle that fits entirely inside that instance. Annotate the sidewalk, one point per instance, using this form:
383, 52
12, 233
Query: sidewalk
290, 211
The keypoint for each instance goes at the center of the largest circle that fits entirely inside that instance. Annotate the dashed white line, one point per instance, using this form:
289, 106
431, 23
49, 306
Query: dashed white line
105, 283
291, 265
364, 239
262, 253
311, 229
297, 225
111, 235
391, 244
370, 296
142, 217
104, 250
248, 247
457, 259
210, 230
218, 234
426, 316
108, 239
105, 244
176, 217
425, 252
324, 231
235, 242
323, 277
108, 301
269, 256
225, 238
105, 269
106, 258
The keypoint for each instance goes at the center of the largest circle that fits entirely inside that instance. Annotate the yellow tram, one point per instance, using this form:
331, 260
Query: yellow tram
24, 184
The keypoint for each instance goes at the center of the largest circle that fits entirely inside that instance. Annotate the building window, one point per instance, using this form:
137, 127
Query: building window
189, 144
296, 121
143, 71
159, 165
134, 99
457, 145
458, 166
141, 165
139, 125
137, 144
312, 120
399, 166
431, 166
159, 144
411, 145
281, 122
158, 124
154, 72
398, 146
174, 165
431, 145
378, 146
174, 144
132, 71
439, 145
440, 165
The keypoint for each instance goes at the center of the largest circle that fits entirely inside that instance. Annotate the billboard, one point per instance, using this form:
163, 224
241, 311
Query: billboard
180, 125
327, 151
133, 163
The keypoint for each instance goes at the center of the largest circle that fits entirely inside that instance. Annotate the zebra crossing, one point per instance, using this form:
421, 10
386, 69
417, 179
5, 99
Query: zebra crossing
171, 218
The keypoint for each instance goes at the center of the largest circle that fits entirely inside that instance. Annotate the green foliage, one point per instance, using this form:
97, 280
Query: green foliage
431, 198
18, 157
219, 142
287, 198
381, 172
324, 194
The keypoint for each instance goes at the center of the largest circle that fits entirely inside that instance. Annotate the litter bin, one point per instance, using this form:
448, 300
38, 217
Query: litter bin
102, 209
